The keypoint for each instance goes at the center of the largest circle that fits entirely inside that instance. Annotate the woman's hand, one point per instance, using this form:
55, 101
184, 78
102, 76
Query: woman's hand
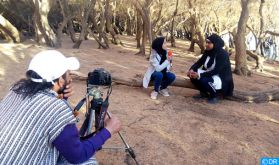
189, 73
194, 75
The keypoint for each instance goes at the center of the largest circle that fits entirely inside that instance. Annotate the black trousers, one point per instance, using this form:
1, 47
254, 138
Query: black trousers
204, 85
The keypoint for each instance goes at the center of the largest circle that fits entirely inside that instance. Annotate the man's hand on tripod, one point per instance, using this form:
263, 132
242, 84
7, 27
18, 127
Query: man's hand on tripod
113, 124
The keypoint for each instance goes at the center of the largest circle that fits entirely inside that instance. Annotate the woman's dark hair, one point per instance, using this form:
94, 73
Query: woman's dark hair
157, 45
27, 88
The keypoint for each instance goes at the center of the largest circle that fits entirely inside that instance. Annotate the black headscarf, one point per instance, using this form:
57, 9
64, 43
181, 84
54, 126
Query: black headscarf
218, 45
157, 46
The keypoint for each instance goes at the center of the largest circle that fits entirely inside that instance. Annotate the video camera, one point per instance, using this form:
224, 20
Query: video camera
99, 77
96, 107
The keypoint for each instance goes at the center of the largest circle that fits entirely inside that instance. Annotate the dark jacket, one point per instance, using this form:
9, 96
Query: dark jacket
222, 68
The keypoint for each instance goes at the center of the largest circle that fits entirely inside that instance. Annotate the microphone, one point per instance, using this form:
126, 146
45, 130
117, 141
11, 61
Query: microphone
170, 56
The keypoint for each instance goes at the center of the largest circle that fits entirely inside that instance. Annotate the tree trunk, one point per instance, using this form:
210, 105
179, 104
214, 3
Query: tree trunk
240, 55
44, 33
272, 33
144, 11
172, 25
70, 30
4, 35
102, 38
9, 31
139, 29
129, 27
108, 15
129, 22
86, 11
187, 34
217, 27
143, 41
61, 26
193, 36
148, 26
15, 15
259, 60
192, 46
103, 45
196, 29
201, 36
261, 34
257, 97
156, 21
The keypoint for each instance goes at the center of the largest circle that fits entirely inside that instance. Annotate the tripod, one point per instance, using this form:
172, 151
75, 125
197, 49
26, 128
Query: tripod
96, 110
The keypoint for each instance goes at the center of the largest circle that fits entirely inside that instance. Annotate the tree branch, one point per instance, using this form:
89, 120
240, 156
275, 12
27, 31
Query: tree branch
272, 33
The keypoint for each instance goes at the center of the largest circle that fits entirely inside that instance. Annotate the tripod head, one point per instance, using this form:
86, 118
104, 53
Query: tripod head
94, 91
97, 105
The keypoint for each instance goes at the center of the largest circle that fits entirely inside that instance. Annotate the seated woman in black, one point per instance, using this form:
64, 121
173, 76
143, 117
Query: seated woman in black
212, 71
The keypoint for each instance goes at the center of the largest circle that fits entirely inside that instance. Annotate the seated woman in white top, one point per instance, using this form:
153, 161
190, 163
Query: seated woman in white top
212, 71
159, 69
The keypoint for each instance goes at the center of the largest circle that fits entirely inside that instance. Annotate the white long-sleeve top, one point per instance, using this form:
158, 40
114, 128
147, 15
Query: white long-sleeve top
154, 65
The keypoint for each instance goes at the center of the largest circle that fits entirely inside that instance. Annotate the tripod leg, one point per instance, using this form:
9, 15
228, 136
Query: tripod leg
91, 120
128, 148
84, 126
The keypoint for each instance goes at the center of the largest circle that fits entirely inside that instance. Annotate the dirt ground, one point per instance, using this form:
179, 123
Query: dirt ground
174, 130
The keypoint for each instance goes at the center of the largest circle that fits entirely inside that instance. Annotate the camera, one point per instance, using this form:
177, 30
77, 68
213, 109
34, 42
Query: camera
99, 77
97, 107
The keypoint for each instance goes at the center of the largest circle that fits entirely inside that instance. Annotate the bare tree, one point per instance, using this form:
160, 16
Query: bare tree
44, 33
108, 15
143, 10
86, 11
67, 16
102, 38
198, 35
139, 29
172, 25
8, 30
240, 56
130, 21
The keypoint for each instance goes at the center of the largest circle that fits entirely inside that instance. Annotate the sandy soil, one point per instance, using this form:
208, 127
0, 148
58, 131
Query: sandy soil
174, 130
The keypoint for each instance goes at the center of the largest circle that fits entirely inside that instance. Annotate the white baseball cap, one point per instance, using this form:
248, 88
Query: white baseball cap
51, 64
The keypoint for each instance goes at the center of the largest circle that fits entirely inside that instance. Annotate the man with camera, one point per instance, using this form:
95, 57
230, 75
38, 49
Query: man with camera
37, 126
